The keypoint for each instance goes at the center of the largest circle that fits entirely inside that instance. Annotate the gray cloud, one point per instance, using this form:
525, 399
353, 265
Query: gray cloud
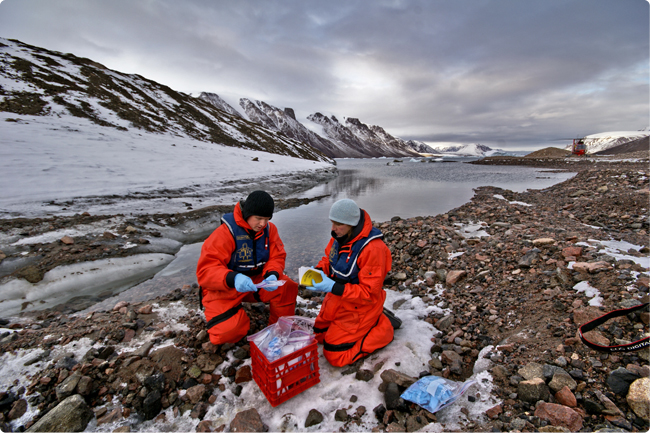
500, 72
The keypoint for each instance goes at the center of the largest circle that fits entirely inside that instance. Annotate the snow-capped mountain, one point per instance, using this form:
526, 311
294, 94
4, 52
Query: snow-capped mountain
358, 139
471, 149
606, 140
350, 140
420, 147
39, 82
216, 100
284, 121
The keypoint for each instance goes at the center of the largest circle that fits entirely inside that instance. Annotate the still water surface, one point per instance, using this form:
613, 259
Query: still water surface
383, 188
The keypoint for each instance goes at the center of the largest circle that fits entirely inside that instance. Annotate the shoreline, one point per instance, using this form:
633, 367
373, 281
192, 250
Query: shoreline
508, 265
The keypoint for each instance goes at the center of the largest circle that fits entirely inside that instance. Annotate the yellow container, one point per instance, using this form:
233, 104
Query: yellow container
308, 274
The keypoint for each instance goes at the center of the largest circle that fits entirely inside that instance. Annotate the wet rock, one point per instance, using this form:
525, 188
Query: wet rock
152, 405
248, 421
113, 416
559, 415
392, 398
155, 381
494, 412
341, 415
18, 409
196, 393
199, 410
638, 398
244, 374
72, 414
400, 379
31, 274
313, 418
364, 375
204, 426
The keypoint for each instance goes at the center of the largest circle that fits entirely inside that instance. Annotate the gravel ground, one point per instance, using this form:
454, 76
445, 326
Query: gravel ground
520, 272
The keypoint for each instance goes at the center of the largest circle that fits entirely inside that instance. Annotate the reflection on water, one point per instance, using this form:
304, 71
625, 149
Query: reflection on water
384, 189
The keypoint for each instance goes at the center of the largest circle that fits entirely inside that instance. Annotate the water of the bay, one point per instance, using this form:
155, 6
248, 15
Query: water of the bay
383, 187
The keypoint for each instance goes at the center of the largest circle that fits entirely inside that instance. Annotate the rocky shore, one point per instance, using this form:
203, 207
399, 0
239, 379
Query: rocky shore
520, 272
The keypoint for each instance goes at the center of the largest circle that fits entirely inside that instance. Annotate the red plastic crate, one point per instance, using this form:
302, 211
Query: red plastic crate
288, 376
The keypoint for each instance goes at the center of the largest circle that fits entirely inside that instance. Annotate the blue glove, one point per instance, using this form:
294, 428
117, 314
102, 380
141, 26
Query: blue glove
324, 286
244, 284
270, 279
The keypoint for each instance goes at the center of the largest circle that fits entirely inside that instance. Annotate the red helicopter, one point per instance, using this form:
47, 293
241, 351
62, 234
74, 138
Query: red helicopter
579, 147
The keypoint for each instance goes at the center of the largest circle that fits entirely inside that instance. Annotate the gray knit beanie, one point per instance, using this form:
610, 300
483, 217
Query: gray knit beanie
345, 211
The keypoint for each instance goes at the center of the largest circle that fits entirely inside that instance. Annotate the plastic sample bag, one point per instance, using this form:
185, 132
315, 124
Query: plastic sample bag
434, 393
268, 284
288, 334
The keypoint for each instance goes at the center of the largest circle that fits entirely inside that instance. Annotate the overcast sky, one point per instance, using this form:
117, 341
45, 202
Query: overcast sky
514, 74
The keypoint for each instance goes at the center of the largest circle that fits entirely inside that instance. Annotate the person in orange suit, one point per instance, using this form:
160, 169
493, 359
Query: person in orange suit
243, 251
352, 322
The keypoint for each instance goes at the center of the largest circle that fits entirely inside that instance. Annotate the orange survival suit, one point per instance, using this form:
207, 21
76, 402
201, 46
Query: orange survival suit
227, 321
351, 323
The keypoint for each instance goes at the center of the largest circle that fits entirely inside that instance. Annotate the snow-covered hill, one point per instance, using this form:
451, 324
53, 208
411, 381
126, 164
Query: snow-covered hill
39, 82
472, 149
606, 140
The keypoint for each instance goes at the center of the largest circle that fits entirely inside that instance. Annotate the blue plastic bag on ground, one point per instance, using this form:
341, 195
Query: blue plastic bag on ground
434, 393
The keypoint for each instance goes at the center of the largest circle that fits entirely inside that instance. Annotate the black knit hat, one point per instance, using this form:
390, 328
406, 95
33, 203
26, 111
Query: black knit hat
258, 203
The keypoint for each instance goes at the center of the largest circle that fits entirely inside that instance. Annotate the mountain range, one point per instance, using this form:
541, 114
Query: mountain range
40, 82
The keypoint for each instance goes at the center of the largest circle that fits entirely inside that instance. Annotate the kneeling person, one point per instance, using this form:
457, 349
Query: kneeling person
243, 251
351, 323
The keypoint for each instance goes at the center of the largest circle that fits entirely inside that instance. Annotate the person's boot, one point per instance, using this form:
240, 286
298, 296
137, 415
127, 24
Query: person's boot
394, 320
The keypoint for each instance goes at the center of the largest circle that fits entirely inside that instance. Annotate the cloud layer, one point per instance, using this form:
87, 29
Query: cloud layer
505, 73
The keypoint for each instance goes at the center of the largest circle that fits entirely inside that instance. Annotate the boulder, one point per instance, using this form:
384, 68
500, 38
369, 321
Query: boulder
591, 267
559, 415
313, 418
638, 398
560, 380
248, 421
401, 379
531, 371
619, 380
533, 390
454, 276
72, 414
